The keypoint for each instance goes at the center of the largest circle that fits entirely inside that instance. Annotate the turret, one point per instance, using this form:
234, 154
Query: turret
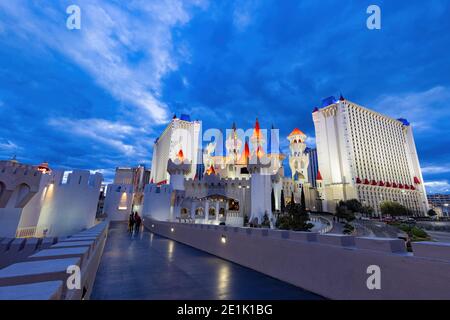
178, 169
298, 159
261, 188
233, 146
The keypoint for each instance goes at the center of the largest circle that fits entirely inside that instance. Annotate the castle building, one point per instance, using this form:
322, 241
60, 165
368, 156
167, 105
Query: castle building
181, 133
300, 179
36, 202
126, 193
234, 185
367, 156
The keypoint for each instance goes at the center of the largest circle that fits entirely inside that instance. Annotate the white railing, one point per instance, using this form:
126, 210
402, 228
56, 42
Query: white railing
328, 224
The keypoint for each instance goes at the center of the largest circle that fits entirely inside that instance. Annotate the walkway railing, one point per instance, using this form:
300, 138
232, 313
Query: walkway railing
328, 224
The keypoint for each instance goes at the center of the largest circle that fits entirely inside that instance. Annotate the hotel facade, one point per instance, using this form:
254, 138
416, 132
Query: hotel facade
367, 156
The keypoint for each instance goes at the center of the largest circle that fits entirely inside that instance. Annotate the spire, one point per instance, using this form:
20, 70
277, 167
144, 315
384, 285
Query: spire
174, 116
319, 176
259, 152
211, 170
234, 126
341, 97
245, 154
257, 130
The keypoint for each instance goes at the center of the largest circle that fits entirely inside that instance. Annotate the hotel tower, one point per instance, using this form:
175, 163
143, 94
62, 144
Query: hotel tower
367, 156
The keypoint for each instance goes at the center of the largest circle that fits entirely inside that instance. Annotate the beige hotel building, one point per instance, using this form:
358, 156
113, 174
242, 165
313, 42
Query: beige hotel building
367, 156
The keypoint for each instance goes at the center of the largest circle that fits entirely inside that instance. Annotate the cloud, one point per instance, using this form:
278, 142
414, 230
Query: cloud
243, 13
111, 134
436, 169
128, 55
439, 186
311, 141
8, 146
423, 109
108, 174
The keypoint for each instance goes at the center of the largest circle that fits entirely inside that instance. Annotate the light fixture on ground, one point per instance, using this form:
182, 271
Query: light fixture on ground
223, 239
172, 229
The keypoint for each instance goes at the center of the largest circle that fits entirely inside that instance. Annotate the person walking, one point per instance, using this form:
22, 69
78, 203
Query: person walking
138, 222
131, 223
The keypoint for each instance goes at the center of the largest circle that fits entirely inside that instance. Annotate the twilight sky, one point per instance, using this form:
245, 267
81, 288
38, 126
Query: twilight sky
96, 98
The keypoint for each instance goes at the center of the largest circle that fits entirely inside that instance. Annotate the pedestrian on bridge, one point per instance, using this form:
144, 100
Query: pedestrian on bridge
131, 223
137, 221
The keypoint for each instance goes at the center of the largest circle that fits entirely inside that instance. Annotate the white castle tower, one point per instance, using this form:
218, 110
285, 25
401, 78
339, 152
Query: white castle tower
298, 159
180, 133
261, 188
178, 169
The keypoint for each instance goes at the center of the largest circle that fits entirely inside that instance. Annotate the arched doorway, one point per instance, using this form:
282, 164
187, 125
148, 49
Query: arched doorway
212, 213
184, 213
199, 212
21, 192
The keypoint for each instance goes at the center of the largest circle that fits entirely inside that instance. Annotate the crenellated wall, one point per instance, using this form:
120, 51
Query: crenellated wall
118, 202
334, 266
37, 204
43, 271
157, 201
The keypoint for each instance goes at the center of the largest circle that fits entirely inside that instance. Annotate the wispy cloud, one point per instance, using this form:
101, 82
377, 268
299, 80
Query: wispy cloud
423, 109
243, 13
436, 169
127, 54
100, 131
439, 186
8, 146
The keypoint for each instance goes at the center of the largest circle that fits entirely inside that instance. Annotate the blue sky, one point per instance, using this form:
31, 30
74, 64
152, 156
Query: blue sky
96, 98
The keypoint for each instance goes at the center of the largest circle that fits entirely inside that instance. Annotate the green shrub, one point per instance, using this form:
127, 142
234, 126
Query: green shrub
417, 232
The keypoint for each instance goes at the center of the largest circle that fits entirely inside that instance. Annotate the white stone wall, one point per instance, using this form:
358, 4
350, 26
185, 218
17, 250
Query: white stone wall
333, 266
70, 207
157, 202
118, 202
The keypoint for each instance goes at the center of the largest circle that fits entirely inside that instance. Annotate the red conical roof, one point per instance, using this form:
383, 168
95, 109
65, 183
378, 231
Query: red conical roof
210, 170
296, 131
257, 130
319, 176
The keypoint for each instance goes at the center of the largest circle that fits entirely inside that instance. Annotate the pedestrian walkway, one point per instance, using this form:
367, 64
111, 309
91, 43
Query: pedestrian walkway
147, 266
